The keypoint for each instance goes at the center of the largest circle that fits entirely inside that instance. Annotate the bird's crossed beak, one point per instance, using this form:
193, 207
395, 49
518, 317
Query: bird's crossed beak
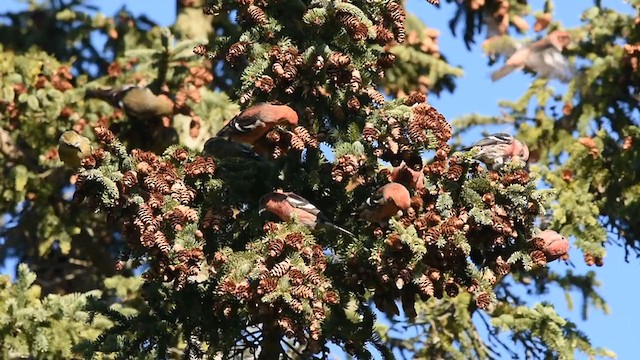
261, 210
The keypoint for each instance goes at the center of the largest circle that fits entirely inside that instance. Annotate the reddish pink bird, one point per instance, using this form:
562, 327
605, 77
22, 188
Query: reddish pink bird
497, 149
544, 57
255, 122
287, 206
552, 244
413, 179
385, 203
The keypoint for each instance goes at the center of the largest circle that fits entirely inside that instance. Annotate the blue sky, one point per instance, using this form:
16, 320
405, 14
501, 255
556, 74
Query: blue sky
476, 93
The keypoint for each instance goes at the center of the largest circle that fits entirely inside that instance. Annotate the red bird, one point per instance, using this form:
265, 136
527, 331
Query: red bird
287, 206
385, 203
413, 179
552, 244
498, 149
255, 122
544, 57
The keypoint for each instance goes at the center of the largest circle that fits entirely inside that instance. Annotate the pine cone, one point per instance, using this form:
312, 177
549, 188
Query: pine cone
415, 98
296, 305
425, 285
451, 288
454, 172
502, 267
180, 154
589, 259
401, 34
302, 292
161, 242
383, 35
294, 240
538, 257
277, 152
273, 136
396, 12
280, 269
353, 103
375, 95
257, 15
370, 133
88, 162
339, 59
313, 277
267, 285
103, 134
483, 300
296, 277
331, 297
275, 247
386, 60
416, 131
209, 8
182, 193
270, 227
337, 174
200, 49
309, 140
265, 83
129, 179
200, 166
236, 50
296, 143
519, 177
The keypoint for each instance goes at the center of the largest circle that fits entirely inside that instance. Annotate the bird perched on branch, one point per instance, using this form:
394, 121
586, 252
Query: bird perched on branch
498, 149
255, 122
137, 102
413, 179
222, 148
287, 206
72, 147
544, 57
385, 203
552, 244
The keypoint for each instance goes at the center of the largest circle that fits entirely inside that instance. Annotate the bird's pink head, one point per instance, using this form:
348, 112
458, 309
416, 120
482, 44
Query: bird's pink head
517, 149
559, 39
273, 202
522, 150
407, 176
553, 244
288, 116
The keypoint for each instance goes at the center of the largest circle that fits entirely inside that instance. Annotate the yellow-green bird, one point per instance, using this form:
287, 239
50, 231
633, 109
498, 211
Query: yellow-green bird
137, 102
72, 147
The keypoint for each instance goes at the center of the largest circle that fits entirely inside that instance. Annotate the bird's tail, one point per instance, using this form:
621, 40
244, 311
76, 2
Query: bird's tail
99, 93
108, 94
502, 72
344, 231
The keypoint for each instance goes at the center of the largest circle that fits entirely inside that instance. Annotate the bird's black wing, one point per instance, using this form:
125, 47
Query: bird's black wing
109, 94
220, 147
299, 202
494, 139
